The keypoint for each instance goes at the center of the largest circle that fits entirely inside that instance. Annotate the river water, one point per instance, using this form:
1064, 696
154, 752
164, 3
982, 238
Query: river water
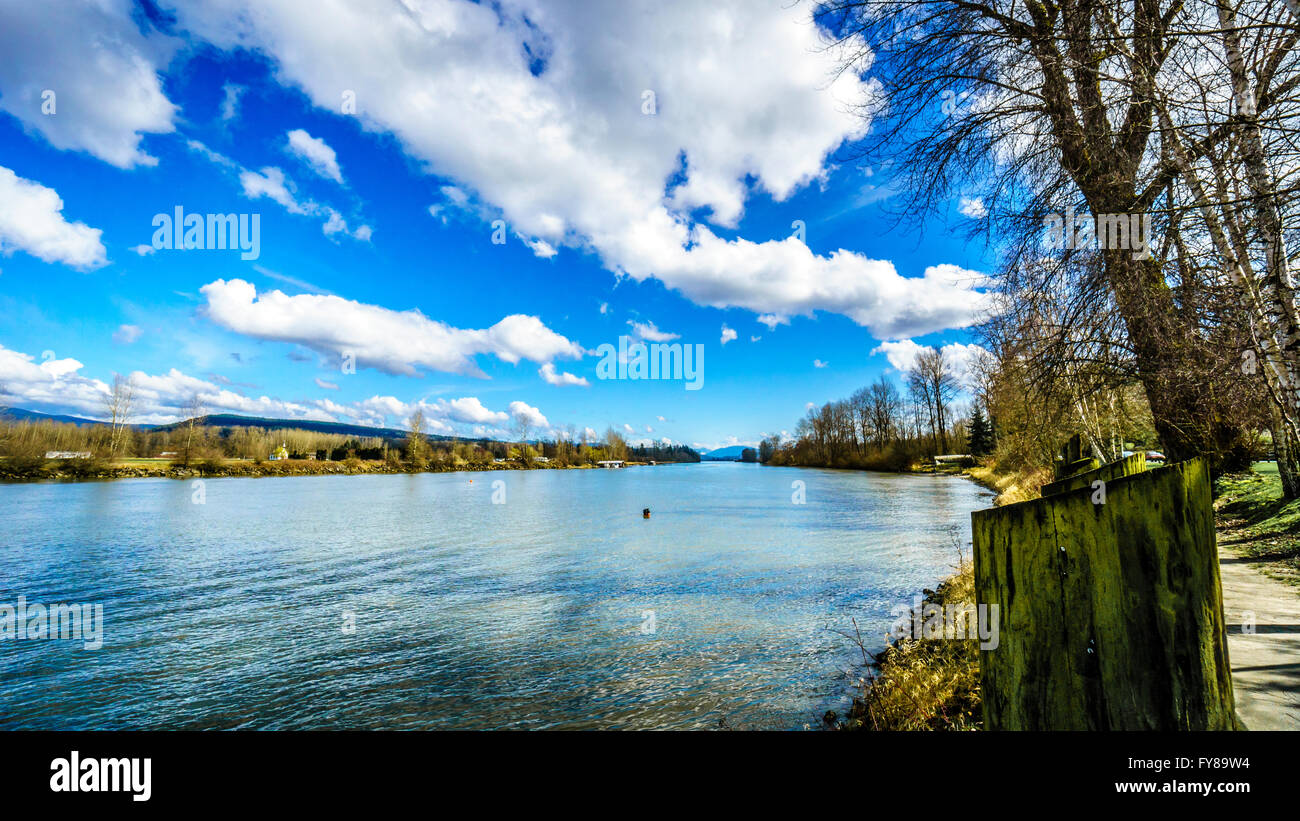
448, 601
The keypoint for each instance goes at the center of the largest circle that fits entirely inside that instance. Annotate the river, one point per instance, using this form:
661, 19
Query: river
449, 601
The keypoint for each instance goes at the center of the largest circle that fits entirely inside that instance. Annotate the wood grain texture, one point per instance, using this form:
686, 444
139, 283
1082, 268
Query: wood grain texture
1111, 616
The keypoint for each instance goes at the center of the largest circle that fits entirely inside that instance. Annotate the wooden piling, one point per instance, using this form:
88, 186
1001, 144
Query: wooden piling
1110, 614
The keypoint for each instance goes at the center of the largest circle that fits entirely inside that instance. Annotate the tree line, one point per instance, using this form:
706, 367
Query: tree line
881, 427
994, 411
25, 443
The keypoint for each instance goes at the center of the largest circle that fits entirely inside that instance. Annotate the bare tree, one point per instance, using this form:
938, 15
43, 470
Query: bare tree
120, 409
523, 428
417, 445
886, 408
194, 411
933, 382
1101, 106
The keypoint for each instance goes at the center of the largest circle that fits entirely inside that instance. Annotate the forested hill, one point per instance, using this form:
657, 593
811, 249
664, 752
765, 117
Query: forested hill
230, 420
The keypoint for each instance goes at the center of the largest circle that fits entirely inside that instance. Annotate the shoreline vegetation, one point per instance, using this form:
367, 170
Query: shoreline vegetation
49, 450
932, 684
91, 469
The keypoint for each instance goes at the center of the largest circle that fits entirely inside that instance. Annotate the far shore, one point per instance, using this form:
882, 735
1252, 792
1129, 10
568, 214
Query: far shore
71, 471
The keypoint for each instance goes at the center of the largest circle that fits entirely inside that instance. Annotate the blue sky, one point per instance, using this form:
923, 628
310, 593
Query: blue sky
645, 162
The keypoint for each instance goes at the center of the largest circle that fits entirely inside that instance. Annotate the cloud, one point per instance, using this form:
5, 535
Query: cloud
160, 398
396, 342
817, 363
300, 284
973, 208
144, 250
534, 417
772, 320
126, 334
964, 357
443, 415
727, 334
647, 330
329, 386
335, 224
542, 248
561, 379
469, 409
271, 183
32, 221
103, 71
57, 383
316, 153
230, 102
748, 102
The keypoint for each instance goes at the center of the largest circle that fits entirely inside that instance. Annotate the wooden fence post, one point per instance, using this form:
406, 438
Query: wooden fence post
1110, 613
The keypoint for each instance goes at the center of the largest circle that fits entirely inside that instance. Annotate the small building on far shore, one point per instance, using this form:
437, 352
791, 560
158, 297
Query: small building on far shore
612, 463
67, 454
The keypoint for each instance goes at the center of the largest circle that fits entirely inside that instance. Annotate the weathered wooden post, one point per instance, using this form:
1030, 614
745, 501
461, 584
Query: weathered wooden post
1073, 460
1110, 613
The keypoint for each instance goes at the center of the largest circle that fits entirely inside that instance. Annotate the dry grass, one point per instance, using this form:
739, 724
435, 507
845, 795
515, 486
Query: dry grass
925, 684
934, 684
1011, 487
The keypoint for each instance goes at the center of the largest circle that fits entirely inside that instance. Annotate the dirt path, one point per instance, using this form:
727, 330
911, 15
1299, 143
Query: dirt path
1266, 665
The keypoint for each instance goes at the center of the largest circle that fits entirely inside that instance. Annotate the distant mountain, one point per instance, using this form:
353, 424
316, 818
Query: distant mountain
20, 415
731, 453
230, 420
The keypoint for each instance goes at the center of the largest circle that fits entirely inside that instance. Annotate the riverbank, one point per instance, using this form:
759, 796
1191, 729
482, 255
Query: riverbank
933, 684
924, 684
88, 470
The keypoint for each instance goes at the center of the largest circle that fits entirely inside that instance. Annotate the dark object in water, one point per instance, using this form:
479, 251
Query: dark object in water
645, 514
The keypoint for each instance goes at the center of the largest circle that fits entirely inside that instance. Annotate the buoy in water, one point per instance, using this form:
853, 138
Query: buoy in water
645, 514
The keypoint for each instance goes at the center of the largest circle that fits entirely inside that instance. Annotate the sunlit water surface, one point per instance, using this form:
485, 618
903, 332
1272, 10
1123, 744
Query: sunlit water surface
416, 602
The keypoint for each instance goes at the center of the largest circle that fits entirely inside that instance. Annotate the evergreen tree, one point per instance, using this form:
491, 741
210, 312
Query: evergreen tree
979, 433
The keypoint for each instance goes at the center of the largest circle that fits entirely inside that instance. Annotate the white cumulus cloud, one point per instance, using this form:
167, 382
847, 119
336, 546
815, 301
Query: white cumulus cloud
398, 342
98, 69
32, 221
748, 101
561, 378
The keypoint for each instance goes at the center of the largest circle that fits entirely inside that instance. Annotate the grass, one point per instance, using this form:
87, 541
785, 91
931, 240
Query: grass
1255, 523
924, 684
1010, 487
